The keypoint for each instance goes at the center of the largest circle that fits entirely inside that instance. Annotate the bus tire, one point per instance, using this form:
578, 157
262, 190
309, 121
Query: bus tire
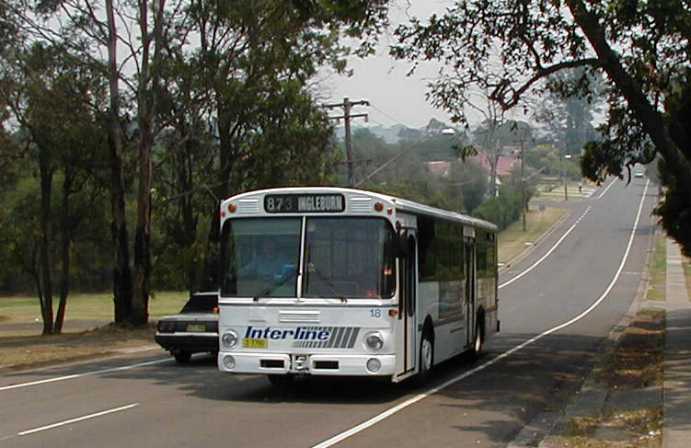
182, 357
479, 337
426, 358
280, 381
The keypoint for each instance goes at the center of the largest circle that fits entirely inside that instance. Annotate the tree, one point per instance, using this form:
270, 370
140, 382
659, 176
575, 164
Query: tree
642, 48
568, 121
47, 82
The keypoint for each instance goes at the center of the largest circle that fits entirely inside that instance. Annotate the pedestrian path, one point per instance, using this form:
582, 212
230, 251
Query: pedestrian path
677, 365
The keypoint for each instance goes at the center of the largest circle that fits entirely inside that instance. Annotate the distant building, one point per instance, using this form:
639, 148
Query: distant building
439, 168
505, 163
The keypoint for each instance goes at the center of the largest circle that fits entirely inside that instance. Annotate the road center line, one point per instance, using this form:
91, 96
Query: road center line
607, 188
552, 249
78, 419
391, 411
80, 375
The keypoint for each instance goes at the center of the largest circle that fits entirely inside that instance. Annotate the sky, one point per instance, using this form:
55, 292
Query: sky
394, 97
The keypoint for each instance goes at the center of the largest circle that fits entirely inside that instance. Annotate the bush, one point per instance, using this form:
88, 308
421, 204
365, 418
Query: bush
502, 210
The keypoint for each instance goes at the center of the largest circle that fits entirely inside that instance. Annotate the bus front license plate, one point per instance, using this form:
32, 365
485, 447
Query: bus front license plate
196, 328
254, 343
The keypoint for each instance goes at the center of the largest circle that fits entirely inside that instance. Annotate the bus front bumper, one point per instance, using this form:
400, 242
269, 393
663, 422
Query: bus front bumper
319, 364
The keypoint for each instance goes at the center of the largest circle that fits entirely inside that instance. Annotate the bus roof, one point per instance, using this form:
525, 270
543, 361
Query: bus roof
400, 204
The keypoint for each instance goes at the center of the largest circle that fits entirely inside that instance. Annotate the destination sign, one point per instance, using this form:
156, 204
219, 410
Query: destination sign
304, 203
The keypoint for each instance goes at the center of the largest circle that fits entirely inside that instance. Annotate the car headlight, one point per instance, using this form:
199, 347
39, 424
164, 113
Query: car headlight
374, 341
229, 339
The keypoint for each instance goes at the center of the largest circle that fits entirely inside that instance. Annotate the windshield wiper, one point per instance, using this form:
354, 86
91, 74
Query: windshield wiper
328, 283
275, 286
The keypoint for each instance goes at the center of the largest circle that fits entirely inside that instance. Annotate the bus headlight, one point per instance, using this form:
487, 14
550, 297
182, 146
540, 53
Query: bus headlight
374, 341
229, 339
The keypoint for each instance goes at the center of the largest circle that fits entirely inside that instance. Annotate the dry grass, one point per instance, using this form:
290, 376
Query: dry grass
513, 240
635, 363
32, 351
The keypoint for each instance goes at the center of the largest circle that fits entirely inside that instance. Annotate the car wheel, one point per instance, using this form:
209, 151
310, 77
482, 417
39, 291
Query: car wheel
182, 357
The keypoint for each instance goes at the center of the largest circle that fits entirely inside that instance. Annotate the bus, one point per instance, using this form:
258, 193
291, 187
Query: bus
338, 281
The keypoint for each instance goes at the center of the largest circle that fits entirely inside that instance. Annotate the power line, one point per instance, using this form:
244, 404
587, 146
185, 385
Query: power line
347, 116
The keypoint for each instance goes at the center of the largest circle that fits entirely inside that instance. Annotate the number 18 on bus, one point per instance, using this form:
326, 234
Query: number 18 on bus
333, 281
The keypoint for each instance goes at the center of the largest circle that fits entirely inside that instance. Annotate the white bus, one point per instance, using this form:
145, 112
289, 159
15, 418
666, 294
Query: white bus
335, 281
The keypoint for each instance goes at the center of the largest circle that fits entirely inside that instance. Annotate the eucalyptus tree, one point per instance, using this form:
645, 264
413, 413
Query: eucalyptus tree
511, 48
53, 99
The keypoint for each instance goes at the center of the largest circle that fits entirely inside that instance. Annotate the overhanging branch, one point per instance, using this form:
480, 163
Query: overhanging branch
499, 92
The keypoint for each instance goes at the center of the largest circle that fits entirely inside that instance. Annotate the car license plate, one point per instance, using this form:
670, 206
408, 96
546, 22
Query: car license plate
196, 328
254, 343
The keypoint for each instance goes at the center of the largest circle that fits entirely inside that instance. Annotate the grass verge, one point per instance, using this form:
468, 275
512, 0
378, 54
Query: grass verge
17, 352
629, 372
513, 240
686, 264
657, 268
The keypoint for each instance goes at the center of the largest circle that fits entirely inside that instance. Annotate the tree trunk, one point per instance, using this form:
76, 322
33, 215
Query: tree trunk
142, 239
46, 299
652, 120
122, 278
64, 249
146, 112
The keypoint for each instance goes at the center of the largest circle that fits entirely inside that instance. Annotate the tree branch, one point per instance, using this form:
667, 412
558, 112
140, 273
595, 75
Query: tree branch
499, 92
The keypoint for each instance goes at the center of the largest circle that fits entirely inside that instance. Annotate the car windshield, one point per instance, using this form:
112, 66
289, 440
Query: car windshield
262, 257
349, 258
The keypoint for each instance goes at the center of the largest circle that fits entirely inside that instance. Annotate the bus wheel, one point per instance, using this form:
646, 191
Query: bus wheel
479, 339
182, 357
426, 358
280, 381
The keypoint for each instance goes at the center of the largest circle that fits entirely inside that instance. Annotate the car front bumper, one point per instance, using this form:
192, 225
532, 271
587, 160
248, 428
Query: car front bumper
188, 342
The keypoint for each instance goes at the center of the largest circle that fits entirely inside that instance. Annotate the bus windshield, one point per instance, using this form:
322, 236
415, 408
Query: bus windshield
344, 258
262, 255
349, 258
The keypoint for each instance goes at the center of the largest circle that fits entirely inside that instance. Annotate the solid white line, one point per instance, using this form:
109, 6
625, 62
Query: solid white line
549, 252
607, 188
389, 412
78, 419
80, 375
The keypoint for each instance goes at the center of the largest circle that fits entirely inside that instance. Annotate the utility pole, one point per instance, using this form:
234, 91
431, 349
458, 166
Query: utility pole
347, 116
523, 186
563, 173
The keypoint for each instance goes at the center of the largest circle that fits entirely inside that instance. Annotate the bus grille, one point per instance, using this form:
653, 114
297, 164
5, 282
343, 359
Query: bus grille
340, 337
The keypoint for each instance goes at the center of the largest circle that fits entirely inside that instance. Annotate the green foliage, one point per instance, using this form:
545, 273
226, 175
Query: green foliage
502, 210
515, 49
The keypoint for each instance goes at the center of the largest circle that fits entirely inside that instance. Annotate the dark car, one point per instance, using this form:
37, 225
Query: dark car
194, 330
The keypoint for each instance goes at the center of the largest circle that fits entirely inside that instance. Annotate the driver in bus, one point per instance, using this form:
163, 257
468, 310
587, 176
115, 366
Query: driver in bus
268, 263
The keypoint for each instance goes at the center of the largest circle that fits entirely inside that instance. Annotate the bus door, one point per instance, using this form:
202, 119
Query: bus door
470, 288
406, 337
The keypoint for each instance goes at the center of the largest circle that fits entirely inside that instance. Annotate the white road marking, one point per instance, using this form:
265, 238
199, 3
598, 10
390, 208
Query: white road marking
80, 375
391, 411
549, 252
607, 188
78, 419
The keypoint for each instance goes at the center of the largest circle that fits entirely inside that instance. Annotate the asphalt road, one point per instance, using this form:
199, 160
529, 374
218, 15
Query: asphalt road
147, 400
